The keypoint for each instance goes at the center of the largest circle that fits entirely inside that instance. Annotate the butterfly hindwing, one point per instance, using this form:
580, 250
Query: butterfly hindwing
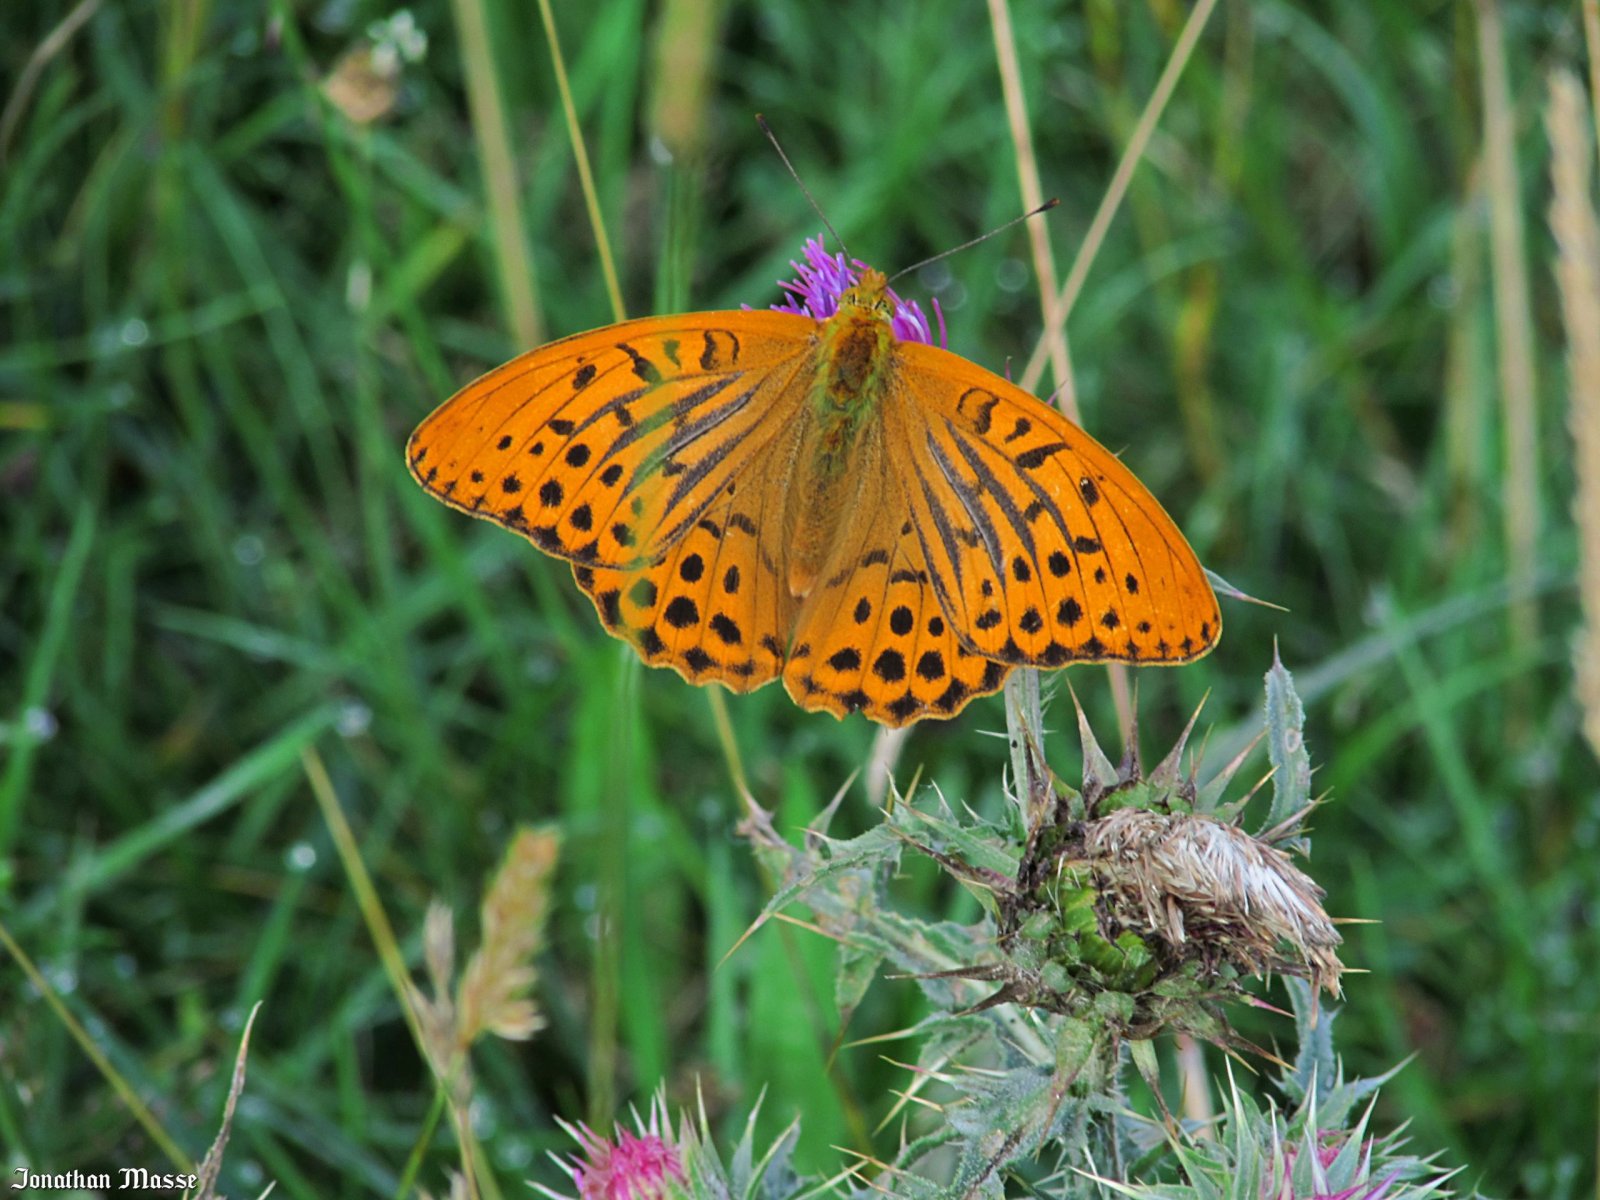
604, 448
874, 637
1044, 548
712, 607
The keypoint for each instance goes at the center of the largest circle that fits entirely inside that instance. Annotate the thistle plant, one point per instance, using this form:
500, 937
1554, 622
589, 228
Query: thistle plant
657, 1159
1318, 1146
1132, 904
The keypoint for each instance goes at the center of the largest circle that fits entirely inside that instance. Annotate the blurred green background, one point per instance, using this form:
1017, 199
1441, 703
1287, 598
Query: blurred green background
238, 265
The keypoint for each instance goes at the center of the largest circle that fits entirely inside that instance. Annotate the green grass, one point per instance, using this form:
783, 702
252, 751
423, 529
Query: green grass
213, 558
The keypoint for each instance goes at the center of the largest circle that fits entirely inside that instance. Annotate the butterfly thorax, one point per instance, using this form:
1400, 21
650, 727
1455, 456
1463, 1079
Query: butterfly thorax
854, 358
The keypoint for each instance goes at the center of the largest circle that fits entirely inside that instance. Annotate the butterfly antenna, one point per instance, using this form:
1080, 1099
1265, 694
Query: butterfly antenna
817, 208
1045, 207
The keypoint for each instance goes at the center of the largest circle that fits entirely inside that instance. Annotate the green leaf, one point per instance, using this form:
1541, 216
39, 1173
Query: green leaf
1286, 747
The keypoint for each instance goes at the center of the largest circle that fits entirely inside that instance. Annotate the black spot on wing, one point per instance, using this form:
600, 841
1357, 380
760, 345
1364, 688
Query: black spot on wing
682, 612
720, 349
647, 371
890, 666
979, 405
905, 707
1032, 460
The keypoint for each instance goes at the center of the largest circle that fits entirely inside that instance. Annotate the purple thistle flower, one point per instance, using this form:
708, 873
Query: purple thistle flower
1329, 1147
824, 277
636, 1166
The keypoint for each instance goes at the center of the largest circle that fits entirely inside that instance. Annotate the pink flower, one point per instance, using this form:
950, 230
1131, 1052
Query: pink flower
1327, 1152
636, 1166
824, 277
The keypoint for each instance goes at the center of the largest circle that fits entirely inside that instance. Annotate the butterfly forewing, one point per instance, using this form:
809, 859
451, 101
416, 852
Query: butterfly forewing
605, 448
1043, 547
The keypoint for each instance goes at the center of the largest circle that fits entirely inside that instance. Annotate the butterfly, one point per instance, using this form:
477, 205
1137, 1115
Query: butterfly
823, 495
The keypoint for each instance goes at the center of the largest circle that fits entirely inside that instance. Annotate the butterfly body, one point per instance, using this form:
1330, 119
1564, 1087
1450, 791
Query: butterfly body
852, 360
885, 525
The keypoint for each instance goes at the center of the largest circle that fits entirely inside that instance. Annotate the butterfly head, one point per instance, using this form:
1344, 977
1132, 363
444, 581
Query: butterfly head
869, 297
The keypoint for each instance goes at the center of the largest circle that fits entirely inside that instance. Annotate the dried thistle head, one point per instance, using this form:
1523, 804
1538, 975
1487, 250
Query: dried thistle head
1141, 896
1206, 886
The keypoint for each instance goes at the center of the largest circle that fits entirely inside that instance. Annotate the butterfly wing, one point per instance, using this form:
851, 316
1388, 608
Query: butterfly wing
873, 636
606, 448
1043, 547
714, 606
985, 530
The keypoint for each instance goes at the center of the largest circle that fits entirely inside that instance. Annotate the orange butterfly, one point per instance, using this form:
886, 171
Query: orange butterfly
820, 493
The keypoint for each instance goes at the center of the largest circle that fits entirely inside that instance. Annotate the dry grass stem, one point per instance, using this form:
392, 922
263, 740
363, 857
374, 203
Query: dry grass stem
686, 47
28, 78
1513, 324
1044, 263
1577, 234
885, 753
580, 158
1118, 187
91, 1050
211, 1166
436, 1014
1591, 37
1466, 409
458, 1189
500, 182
